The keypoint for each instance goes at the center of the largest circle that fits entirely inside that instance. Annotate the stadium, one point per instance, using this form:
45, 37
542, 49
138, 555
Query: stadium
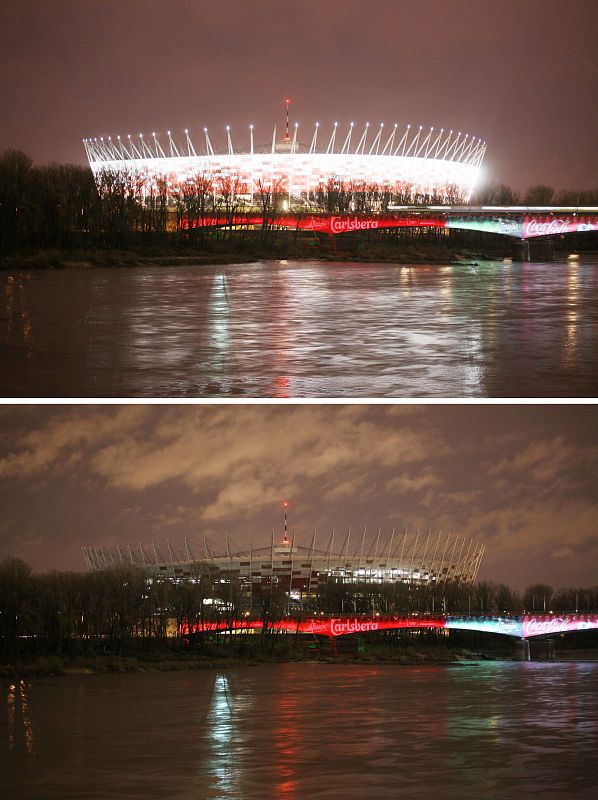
302, 570
407, 165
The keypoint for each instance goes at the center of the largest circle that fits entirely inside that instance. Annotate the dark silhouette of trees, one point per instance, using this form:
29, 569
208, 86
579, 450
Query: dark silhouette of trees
496, 194
539, 196
194, 202
536, 598
116, 610
64, 206
574, 197
15, 198
16, 609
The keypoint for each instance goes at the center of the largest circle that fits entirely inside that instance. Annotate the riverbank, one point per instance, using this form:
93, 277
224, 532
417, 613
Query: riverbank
55, 666
420, 253
52, 666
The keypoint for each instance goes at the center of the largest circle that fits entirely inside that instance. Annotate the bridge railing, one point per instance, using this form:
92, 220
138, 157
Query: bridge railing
521, 626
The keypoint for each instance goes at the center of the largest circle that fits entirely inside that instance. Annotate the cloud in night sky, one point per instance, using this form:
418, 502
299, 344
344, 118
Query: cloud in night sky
520, 479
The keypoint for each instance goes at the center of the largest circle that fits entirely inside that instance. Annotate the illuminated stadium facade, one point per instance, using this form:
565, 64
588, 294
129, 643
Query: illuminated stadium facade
419, 559
411, 163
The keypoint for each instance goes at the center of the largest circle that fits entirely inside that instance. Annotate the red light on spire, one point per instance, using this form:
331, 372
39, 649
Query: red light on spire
287, 136
286, 532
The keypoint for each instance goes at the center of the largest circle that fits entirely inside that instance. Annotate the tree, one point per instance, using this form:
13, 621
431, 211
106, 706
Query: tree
15, 197
15, 609
536, 598
194, 204
539, 196
496, 194
269, 194
575, 197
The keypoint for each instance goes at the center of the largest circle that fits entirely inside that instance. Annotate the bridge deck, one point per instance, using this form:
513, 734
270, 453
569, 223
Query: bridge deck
519, 222
525, 626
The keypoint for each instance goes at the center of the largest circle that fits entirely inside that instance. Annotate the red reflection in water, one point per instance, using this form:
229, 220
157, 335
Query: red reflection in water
286, 743
283, 385
19, 328
18, 704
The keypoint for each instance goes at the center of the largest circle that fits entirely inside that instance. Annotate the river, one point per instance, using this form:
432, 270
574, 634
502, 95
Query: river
302, 329
495, 730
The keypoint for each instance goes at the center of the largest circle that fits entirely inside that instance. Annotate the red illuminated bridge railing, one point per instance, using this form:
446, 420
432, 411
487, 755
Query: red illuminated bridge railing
525, 626
512, 221
319, 223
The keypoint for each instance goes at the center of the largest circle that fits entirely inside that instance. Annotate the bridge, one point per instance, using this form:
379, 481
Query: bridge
516, 222
520, 627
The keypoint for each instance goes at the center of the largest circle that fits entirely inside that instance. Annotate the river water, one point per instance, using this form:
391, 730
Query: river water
495, 730
302, 329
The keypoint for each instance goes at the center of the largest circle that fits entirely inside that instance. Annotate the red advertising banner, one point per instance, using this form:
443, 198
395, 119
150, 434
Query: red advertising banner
336, 626
532, 225
536, 625
351, 223
348, 223
542, 624
555, 226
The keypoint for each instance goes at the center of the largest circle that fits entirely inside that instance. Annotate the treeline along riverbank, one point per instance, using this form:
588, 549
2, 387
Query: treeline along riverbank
124, 619
57, 215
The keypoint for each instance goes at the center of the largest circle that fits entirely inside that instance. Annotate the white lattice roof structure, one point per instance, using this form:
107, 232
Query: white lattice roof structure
414, 162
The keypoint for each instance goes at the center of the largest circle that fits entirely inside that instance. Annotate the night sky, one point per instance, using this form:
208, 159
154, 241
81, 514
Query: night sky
521, 74
521, 479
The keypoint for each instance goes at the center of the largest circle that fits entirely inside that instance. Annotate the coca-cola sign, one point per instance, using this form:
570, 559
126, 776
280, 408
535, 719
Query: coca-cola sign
557, 226
543, 624
542, 226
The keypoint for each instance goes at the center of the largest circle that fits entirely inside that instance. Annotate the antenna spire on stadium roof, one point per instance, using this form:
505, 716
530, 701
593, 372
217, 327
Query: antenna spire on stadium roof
287, 136
286, 532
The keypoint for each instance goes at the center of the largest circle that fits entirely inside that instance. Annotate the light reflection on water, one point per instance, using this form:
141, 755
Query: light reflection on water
495, 730
302, 329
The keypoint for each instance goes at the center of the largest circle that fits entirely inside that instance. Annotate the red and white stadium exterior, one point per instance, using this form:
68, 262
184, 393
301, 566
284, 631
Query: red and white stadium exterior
416, 162
417, 559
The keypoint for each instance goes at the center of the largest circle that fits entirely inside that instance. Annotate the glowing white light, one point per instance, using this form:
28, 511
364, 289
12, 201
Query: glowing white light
439, 168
